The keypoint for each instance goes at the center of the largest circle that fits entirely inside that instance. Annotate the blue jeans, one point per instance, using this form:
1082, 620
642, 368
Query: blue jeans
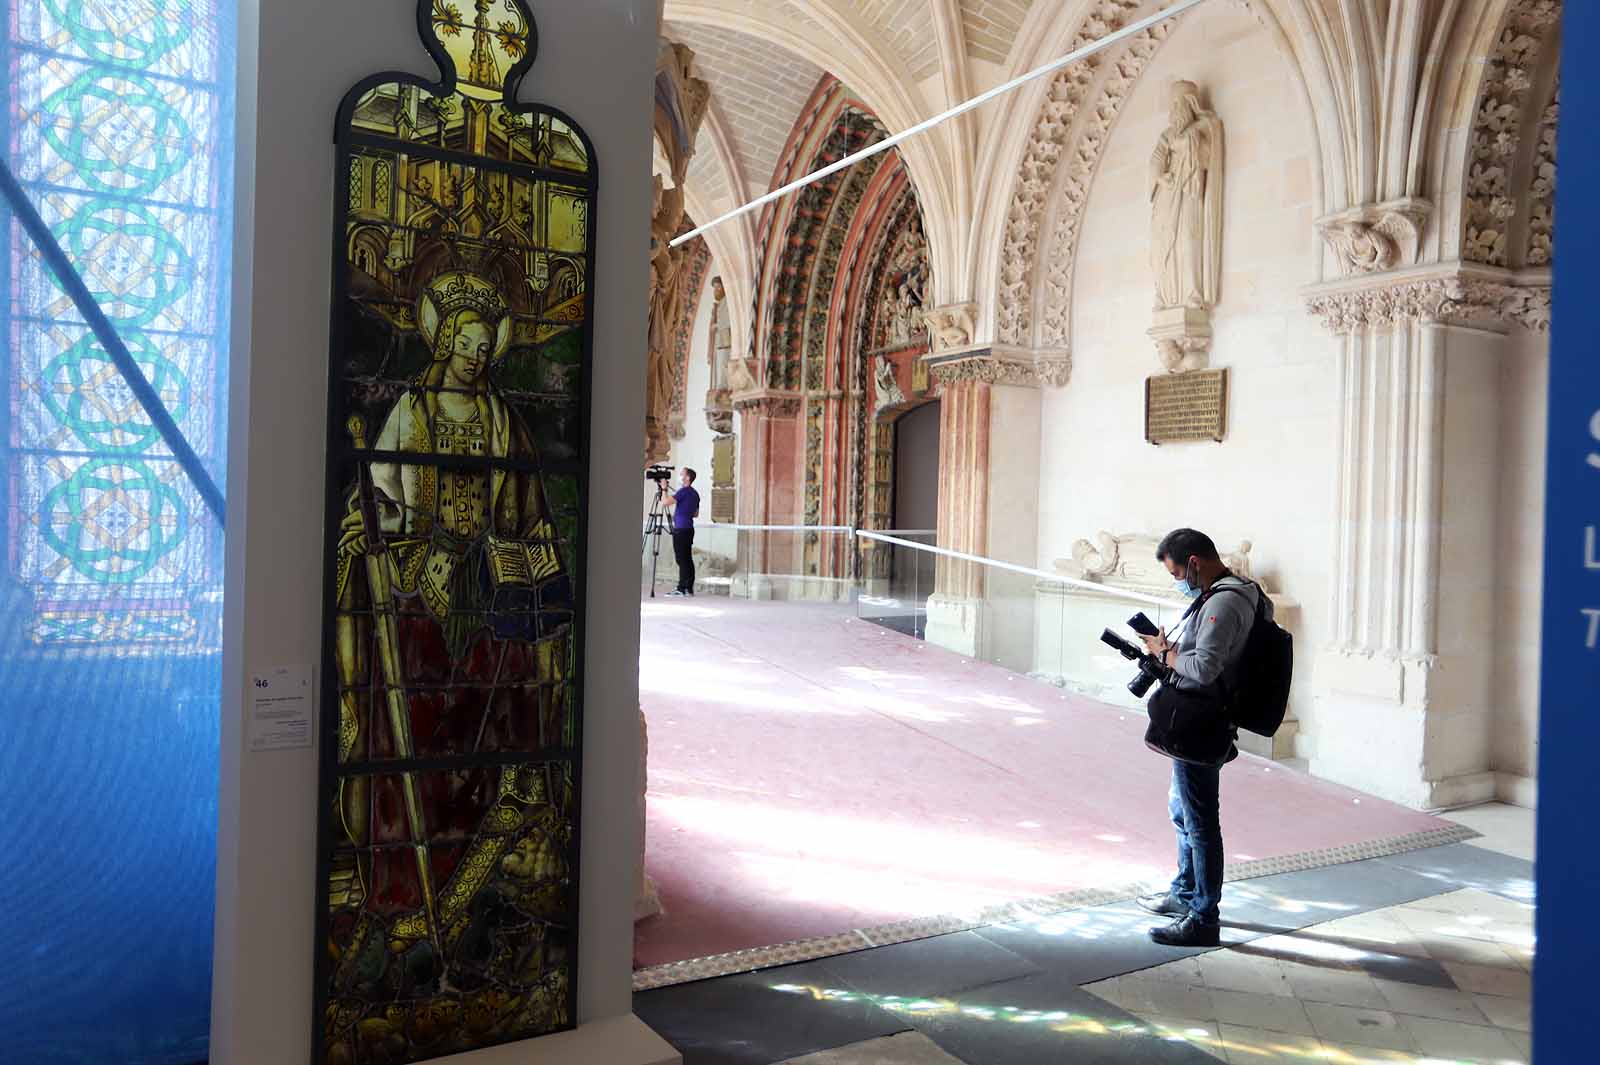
1194, 806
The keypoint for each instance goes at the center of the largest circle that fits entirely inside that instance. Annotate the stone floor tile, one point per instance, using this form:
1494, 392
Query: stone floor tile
1183, 971
1506, 829
1358, 1027
1280, 903
1513, 1013
1354, 1054
1431, 924
934, 966
1470, 902
907, 1048
1255, 1046
1202, 1035
1443, 947
1243, 970
1423, 972
1083, 946
1521, 957
1445, 1004
1149, 996
1523, 1041
763, 1017
1043, 1018
1508, 980
1274, 1013
1351, 938
1125, 998
1453, 1040
1335, 987
1462, 865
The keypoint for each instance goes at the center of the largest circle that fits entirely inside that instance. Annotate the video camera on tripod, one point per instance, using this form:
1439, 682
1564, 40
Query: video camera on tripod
655, 522
1151, 668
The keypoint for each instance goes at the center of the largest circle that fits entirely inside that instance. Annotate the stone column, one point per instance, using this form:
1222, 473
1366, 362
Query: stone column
770, 457
975, 387
1404, 691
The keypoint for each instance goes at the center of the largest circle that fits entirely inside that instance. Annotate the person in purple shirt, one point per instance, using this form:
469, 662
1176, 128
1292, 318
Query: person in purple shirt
683, 505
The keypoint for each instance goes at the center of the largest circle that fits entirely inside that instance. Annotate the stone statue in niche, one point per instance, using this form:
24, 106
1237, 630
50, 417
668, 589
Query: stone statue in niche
1186, 229
719, 403
888, 389
721, 335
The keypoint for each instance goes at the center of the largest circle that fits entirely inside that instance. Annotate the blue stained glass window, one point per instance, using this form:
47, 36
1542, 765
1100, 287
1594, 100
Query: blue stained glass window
119, 126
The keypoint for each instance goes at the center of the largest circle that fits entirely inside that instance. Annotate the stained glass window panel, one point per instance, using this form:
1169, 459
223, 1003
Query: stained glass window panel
118, 125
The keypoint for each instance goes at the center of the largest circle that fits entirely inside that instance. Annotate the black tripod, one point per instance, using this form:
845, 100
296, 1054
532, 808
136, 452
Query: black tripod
655, 523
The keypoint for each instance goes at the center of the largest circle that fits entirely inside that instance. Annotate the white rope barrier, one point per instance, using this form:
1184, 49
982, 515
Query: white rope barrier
960, 109
778, 528
1054, 578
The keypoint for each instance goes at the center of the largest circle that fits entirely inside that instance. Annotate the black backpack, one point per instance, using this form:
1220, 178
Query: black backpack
1256, 689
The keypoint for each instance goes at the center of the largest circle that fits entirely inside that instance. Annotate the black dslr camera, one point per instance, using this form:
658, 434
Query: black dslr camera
1151, 668
659, 474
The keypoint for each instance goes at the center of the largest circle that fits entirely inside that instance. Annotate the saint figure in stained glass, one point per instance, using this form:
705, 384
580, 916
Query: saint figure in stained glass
451, 766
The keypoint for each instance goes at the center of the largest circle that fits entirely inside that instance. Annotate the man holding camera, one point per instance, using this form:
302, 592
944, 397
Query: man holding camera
1203, 662
683, 505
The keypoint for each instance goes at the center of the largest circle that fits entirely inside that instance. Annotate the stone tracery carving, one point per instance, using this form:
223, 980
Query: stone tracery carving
681, 103
1540, 250
1066, 103
1491, 206
1039, 372
694, 260
1455, 298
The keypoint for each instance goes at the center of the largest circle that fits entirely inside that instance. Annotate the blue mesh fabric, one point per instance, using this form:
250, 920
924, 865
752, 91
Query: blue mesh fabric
119, 127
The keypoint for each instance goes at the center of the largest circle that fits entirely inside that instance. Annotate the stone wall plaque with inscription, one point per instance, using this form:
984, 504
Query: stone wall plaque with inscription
722, 459
723, 506
1186, 407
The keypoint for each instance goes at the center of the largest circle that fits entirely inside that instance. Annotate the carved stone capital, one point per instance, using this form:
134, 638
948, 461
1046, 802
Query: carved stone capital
1373, 238
770, 404
1003, 366
1461, 294
950, 328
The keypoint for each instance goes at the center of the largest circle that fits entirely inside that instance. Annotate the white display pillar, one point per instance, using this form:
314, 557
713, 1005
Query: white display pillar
1404, 691
297, 58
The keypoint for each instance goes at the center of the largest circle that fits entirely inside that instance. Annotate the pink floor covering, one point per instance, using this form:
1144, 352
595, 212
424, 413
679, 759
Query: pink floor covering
811, 773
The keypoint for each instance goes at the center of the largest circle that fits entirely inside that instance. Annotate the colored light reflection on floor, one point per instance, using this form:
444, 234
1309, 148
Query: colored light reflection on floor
1068, 1022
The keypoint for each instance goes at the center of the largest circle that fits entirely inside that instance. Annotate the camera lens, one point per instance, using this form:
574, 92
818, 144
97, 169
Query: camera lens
1141, 684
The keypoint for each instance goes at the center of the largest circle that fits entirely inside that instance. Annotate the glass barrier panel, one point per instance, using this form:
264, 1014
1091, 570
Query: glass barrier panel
1041, 625
896, 581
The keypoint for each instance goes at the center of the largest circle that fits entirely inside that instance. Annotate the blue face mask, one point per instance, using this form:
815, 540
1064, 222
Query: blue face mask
1185, 588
